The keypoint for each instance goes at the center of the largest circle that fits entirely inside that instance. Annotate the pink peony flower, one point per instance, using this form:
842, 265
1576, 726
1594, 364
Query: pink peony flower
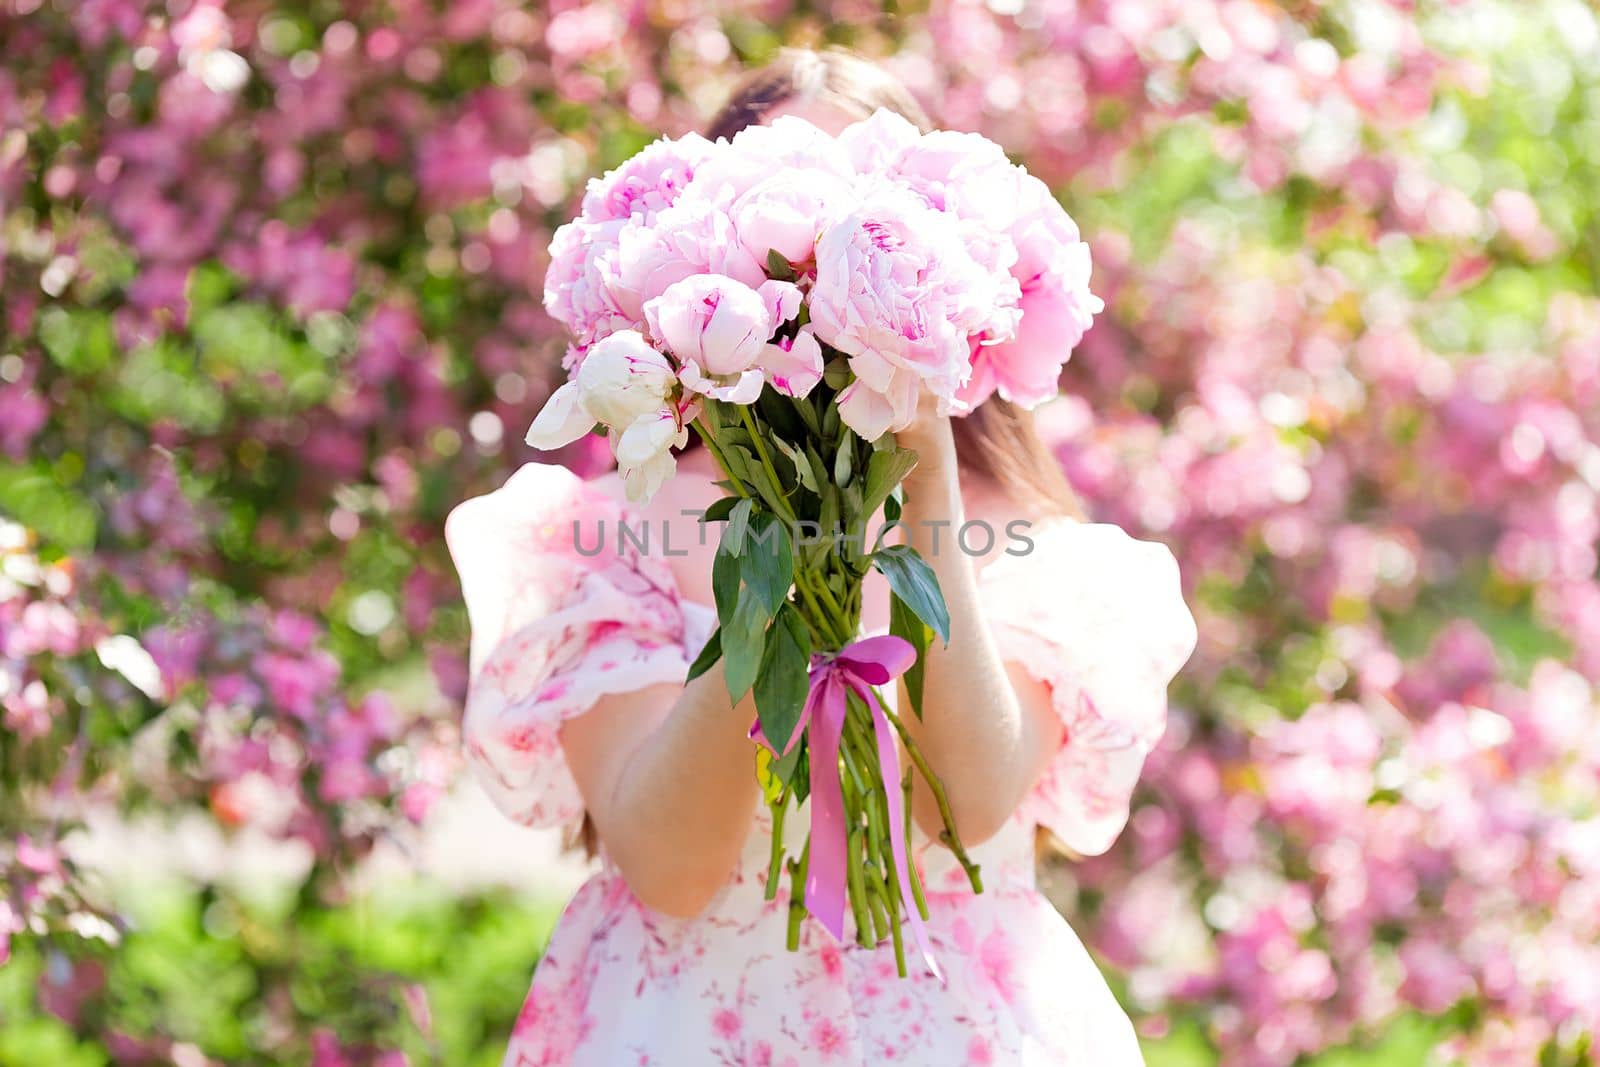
648, 183
963, 173
582, 278
897, 291
627, 386
787, 144
785, 212
718, 329
1052, 271
694, 236
1009, 221
875, 143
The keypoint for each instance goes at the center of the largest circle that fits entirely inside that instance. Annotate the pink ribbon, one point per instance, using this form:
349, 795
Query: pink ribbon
856, 668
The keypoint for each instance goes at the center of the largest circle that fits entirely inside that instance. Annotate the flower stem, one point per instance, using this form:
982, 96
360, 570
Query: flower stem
949, 836
827, 595
858, 748
766, 462
709, 439
890, 893
878, 900
916, 881
776, 865
857, 890
797, 894
827, 619
820, 623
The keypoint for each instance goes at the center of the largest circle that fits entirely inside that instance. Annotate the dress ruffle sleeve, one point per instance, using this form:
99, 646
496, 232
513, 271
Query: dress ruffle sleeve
1099, 617
563, 611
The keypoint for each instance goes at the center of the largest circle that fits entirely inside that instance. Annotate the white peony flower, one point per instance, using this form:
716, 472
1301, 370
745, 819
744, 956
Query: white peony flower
644, 452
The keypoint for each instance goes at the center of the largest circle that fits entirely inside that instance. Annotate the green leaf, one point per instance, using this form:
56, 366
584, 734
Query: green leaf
808, 415
778, 267
741, 463
784, 465
885, 470
836, 374
709, 654
33, 497
743, 637
705, 426
80, 341
738, 522
830, 421
782, 414
719, 509
782, 684
891, 508
210, 285
819, 470
725, 582
736, 437
828, 518
843, 460
913, 581
771, 495
801, 463
768, 563
852, 503
815, 546
786, 766
903, 622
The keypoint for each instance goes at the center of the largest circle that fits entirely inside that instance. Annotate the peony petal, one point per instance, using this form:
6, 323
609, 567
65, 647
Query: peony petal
561, 421
641, 483
865, 411
695, 380
644, 453
647, 437
794, 368
979, 387
623, 377
875, 142
782, 300
673, 324
745, 389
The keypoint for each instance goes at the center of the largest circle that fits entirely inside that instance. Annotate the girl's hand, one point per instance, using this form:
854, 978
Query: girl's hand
932, 439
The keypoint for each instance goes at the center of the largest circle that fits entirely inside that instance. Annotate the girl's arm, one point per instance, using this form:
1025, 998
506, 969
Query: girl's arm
987, 729
671, 790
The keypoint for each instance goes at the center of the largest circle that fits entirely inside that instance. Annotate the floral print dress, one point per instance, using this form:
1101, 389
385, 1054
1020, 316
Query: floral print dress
1096, 615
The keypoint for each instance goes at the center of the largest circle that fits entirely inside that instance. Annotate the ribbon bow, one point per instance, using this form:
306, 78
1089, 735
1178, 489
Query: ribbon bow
855, 668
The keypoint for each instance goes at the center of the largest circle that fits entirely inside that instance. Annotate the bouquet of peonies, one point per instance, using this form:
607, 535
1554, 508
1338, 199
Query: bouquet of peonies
793, 297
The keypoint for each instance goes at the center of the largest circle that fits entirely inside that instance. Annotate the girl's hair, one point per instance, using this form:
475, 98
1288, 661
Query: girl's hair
998, 440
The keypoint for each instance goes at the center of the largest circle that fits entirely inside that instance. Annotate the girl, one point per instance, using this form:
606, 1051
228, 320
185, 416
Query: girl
1038, 714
